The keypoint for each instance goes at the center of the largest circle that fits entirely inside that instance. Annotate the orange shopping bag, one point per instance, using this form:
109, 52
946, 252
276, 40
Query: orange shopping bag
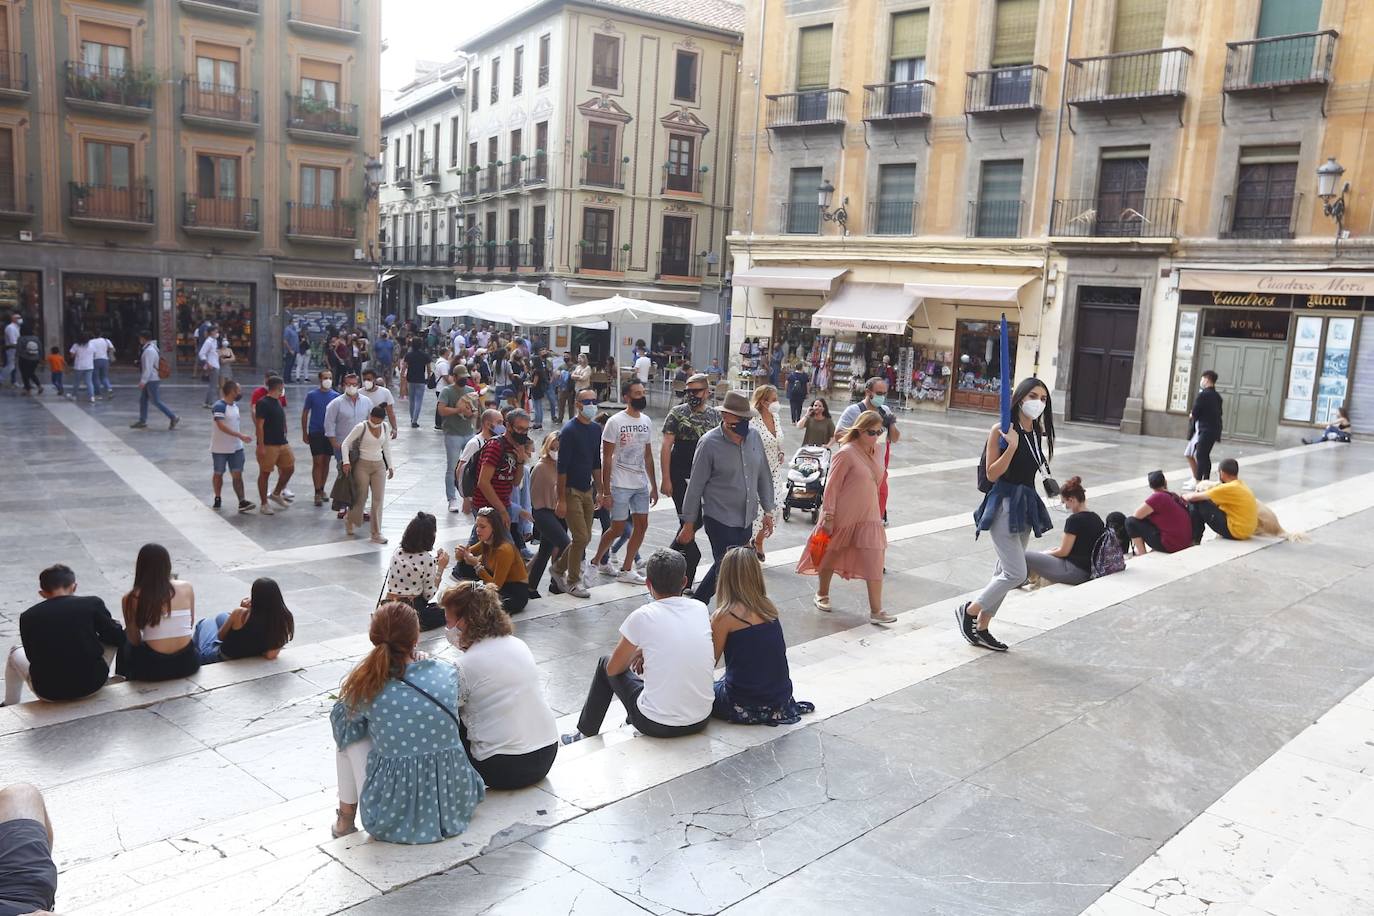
816, 546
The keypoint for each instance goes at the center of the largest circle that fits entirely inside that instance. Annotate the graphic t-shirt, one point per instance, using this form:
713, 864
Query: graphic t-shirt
686, 426
1086, 527
629, 435
501, 457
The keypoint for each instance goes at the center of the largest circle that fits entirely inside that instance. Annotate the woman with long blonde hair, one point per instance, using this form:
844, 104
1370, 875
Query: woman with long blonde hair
395, 725
768, 424
509, 731
756, 688
850, 516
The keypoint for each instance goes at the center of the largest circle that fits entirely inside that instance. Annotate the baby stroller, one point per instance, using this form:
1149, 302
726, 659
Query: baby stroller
806, 481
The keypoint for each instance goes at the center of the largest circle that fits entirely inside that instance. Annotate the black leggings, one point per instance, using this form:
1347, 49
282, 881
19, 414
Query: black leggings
690, 551
1203, 454
513, 771
553, 540
514, 595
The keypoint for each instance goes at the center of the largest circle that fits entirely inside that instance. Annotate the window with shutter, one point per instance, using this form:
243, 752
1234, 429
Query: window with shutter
606, 61
1265, 192
803, 208
813, 58
998, 212
896, 199
1013, 41
1139, 27
1292, 59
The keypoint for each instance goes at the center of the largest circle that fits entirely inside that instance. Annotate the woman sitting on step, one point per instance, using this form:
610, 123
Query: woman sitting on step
416, 571
159, 620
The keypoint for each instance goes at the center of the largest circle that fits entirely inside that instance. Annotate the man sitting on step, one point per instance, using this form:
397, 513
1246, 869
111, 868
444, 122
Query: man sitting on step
663, 666
1229, 508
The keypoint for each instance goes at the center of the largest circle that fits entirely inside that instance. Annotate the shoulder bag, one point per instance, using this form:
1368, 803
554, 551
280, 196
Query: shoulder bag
436, 701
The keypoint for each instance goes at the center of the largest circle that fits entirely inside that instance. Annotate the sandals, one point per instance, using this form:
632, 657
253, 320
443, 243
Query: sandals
822, 602
334, 830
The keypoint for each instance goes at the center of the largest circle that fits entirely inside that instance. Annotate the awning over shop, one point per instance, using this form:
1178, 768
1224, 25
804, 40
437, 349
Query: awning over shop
1295, 282
955, 292
327, 284
883, 308
813, 279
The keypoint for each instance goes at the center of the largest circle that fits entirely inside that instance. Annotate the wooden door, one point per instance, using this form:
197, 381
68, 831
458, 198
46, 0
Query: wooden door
1121, 196
1104, 354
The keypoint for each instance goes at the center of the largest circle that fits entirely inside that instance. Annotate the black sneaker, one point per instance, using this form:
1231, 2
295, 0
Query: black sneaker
245, 506
534, 595
965, 622
554, 587
217, 502
988, 641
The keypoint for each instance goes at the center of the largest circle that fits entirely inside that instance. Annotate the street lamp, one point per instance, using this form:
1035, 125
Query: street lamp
372, 176
824, 195
1333, 203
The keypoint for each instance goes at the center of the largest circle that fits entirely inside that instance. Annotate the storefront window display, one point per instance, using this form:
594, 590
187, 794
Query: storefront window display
318, 315
21, 293
114, 307
1319, 369
978, 372
793, 328
226, 305
930, 375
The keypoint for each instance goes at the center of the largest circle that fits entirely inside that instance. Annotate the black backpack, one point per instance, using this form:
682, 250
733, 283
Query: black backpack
468, 484
30, 348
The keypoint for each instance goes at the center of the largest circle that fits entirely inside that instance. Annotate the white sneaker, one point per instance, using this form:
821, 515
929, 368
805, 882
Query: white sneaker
279, 499
641, 563
579, 591
266, 509
613, 558
630, 577
288, 495
454, 505
559, 581
606, 569
1189, 487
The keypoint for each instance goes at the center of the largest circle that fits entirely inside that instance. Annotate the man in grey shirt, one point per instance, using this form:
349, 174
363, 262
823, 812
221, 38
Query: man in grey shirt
342, 414
730, 481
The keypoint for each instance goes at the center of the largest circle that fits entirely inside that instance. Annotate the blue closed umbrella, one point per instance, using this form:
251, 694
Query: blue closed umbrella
1006, 377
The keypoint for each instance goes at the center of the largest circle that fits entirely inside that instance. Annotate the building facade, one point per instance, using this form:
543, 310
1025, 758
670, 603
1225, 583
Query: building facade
1091, 169
419, 205
165, 163
599, 160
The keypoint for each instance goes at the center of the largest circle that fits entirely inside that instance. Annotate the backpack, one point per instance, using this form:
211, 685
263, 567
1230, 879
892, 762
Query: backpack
1108, 557
30, 348
467, 486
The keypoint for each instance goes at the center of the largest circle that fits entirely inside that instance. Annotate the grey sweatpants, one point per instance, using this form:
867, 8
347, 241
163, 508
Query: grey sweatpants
1055, 569
1011, 562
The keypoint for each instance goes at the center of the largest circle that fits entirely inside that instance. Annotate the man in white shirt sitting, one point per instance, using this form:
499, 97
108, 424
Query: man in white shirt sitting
663, 666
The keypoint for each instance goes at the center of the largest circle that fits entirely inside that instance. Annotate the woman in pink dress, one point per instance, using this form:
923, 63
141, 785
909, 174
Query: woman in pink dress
850, 515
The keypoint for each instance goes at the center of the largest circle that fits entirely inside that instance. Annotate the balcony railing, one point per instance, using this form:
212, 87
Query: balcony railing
388, 254
537, 169
515, 256
466, 258
321, 116
402, 178
429, 170
222, 103
232, 214
1005, 89
1259, 218
332, 222
589, 257
425, 256
512, 174
681, 180
1146, 217
15, 200
804, 109
128, 87
1160, 73
14, 71
898, 101
999, 219
800, 218
1288, 60
892, 217
603, 173
537, 253
301, 18
489, 176
230, 8
678, 264
132, 203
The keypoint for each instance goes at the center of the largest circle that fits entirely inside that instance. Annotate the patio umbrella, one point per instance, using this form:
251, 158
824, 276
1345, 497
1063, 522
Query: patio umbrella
622, 309
509, 305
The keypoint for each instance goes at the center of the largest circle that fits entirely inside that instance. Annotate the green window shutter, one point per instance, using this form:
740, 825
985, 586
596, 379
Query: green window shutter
897, 182
909, 31
1288, 17
813, 58
803, 187
1001, 180
1013, 40
1139, 25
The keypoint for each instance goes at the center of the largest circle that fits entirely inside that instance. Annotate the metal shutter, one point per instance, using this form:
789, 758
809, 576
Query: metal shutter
1361, 399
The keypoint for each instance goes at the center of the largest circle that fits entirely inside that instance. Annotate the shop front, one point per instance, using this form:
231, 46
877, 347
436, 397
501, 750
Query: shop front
1285, 347
21, 293
117, 308
322, 306
228, 306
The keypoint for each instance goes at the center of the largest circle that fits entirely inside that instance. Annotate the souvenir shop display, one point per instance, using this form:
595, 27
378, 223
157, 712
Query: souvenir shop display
845, 361
930, 374
229, 306
904, 374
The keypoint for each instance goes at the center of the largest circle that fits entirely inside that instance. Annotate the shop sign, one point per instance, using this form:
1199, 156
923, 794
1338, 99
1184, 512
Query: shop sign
869, 325
88, 285
1291, 283
1340, 302
326, 284
1245, 325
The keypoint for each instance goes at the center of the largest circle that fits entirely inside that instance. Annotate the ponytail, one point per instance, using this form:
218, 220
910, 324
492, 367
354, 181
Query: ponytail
394, 632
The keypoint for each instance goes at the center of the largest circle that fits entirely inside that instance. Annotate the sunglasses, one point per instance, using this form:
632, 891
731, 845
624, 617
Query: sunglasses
592, 401
873, 432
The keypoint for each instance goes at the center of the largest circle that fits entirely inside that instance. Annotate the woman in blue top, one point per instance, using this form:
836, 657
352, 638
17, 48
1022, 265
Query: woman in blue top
1012, 509
396, 729
757, 686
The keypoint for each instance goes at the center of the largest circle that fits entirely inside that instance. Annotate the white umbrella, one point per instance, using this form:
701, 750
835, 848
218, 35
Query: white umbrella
621, 309
509, 305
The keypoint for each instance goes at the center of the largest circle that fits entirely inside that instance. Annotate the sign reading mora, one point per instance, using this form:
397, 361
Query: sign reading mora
327, 284
1280, 301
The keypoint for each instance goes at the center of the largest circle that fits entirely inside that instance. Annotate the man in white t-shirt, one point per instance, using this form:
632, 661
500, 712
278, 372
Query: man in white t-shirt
663, 666
11, 360
209, 364
374, 386
643, 366
628, 487
226, 444
102, 351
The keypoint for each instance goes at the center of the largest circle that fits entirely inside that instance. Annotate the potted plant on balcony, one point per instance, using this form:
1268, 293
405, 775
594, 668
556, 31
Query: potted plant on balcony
79, 194
136, 87
625, 247
192, 203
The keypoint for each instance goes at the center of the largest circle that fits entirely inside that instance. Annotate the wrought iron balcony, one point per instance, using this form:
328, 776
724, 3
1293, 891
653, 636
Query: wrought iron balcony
537, 253
321, 118
130, 206
468, 185
892, 217
1303, 59
466, 257
601, 172
537, 169
600, 258
998, 219
679, 265
489, 176
512, 174
118, 90
1130, 76
234, 10
543, 75
402, 178
219, 215
1005, 89
683, 179
14, 73
223, 105
909, 100
338, 222
1259, 218
16, 199
429, 170
307, 21
1145, 217
802, 218
813, 107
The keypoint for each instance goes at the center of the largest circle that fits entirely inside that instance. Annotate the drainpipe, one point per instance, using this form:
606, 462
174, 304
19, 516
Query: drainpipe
754, 165
1054, 188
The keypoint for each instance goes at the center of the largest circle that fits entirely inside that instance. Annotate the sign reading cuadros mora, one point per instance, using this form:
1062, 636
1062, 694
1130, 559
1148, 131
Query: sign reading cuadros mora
1275, 301
1315, 284
326, 284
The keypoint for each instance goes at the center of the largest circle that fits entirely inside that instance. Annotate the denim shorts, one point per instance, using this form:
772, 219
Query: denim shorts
231, 460
626, 502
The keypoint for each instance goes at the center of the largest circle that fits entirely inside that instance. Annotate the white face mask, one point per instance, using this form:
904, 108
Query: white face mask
351, 391
454, 637
775, 408
369, 384
1032, 409
327, 383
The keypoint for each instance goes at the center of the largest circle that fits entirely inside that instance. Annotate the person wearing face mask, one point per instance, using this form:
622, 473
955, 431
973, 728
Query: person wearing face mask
508, 730
226, 445
628, 487
210, 365
374, 386
500, 468
1205, 420
797, 382
682, 430
875, 399
274, 448
488, 423
367, 455
341, 417
313, 432
553, 533
417, 377
1012, 510
579, 460
768, 424
729, 484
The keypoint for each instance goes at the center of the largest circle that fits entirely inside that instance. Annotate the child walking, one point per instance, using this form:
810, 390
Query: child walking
56, 365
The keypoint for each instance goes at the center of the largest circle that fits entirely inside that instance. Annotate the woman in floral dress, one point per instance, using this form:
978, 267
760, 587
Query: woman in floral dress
768, 423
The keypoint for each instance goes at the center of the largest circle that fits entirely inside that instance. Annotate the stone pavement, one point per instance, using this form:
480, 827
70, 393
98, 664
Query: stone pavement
1187, 737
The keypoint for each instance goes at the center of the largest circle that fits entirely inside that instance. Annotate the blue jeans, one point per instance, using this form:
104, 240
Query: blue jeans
150, 393
538, 411
552, 397
206, 638
453, 449
83, 383
288, 364
722, 538
417, 401
101, 378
